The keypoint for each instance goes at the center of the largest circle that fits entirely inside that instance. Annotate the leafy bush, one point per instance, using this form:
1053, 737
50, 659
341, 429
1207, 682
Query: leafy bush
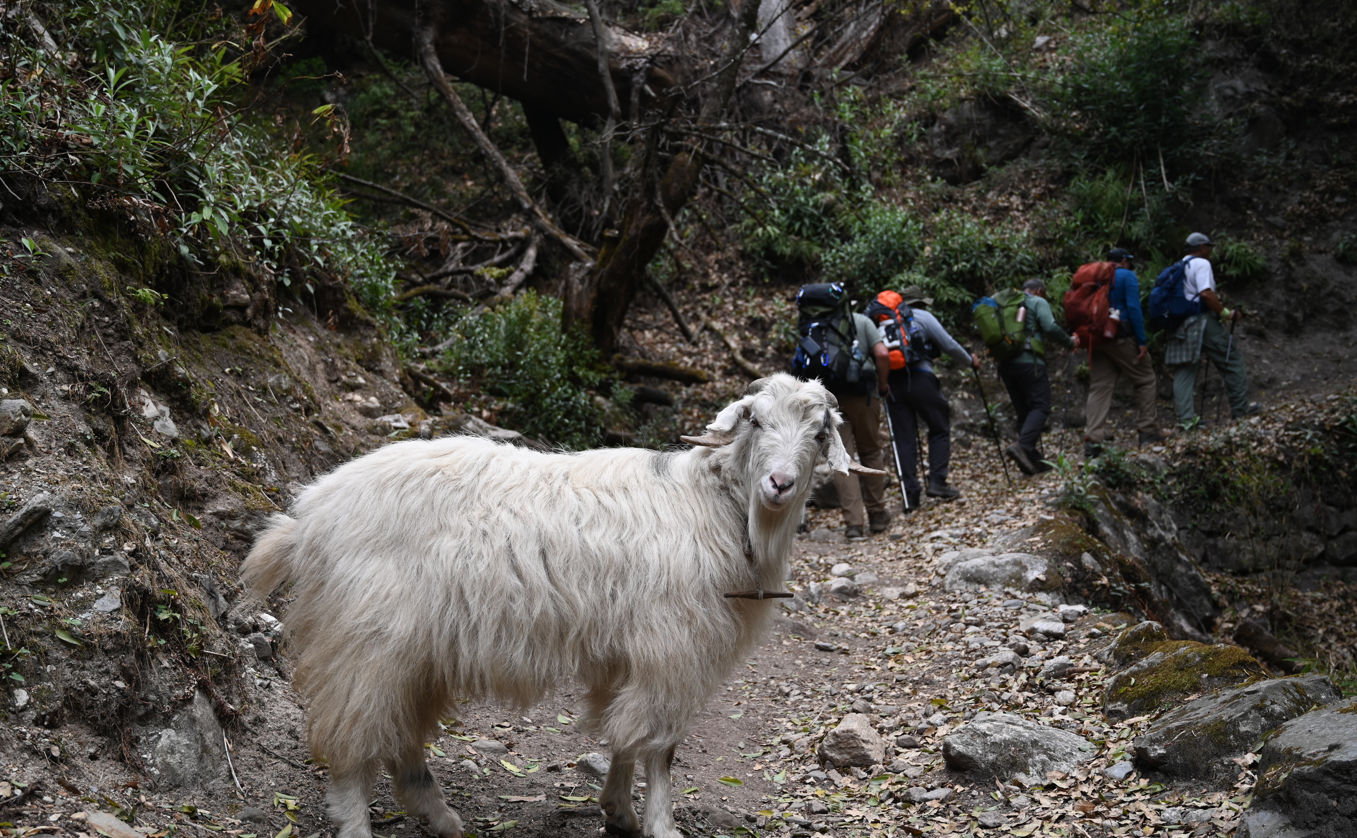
519, 352
976, 255
1239, 259
154, 131
802, 215
884, 241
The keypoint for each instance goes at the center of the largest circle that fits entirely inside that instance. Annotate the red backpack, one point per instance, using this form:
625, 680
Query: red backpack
1088, 303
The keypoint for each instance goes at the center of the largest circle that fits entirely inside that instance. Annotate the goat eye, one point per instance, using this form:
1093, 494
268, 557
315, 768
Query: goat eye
821, 437
754, 420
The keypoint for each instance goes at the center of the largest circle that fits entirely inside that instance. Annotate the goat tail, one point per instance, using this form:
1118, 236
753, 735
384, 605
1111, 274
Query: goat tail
271, 562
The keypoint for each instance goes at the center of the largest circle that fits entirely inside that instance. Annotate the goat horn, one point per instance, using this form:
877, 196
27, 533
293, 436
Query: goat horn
756, 386
857, 468
710, 440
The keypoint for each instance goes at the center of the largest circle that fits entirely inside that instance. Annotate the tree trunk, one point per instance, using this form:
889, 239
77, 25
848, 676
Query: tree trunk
599, 300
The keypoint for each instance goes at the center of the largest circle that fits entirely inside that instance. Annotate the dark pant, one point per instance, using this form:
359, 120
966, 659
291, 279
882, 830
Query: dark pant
1030, 390
918, 395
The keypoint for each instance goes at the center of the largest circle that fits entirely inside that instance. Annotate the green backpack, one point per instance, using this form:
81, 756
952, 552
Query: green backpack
1001, 321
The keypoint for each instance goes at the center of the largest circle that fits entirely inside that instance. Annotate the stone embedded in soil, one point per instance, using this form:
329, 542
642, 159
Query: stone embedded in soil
492, 749
592, 763
842, 588
1198, 739
190, 752
108, 603
252, 815
1006, 746
1019, 571
853, 743
263, 648
1135, 643
1121, 770
842, 569
1307, 772
1176, 672
1055, 669
15, 414
866, 578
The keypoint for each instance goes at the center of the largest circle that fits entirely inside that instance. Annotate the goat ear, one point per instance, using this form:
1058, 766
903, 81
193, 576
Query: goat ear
837, 455
722, 430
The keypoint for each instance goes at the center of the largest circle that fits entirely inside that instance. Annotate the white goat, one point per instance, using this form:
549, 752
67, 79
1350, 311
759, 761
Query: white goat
459, 568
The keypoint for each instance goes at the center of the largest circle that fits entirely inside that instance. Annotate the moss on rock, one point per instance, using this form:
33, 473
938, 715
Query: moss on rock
1174, 671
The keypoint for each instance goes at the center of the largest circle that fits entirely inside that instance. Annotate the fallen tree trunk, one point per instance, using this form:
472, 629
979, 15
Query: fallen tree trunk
540, 52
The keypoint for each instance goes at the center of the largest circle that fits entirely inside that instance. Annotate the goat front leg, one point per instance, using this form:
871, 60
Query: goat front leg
659, 795
421, 795
619, 815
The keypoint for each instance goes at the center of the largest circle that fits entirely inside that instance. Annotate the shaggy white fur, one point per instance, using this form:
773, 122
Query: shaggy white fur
459, 568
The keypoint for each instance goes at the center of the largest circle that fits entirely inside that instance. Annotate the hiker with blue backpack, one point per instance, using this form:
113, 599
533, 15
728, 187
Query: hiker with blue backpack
914, 339
845, 352
1185, 303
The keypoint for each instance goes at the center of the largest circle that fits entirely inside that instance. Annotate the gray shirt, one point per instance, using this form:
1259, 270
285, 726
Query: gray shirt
936, 335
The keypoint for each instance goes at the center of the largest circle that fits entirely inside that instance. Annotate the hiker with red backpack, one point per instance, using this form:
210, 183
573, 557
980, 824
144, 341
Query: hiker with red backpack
1127, 351
914, 339
1204, 334
1024, 376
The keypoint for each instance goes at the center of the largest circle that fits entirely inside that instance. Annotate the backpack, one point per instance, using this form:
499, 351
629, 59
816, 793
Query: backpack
827, 338
1169, 305
904, 337
1088, 303
1001, 321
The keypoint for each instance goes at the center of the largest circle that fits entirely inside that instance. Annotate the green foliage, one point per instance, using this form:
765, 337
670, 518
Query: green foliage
518, 352
802, 212
976, 255
154, 130
662, 13
883, 242
146, 296
1240, 260
1077, 482
1345, 250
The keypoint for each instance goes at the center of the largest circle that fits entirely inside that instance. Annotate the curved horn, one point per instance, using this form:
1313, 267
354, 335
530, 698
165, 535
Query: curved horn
857, 468
757, 386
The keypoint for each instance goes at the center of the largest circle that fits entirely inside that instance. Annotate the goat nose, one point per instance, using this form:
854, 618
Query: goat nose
781, 482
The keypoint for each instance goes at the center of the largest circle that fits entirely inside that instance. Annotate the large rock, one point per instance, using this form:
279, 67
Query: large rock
15, 414
853, 743
190, 752
1176, 673
1307, 778
1138, 526
1010, 747
1019, 571
1199, 739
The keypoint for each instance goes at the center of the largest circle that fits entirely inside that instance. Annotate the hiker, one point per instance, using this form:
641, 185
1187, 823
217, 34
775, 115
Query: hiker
1205, 334
916, 394
1024, 376
853, 364
1129, 353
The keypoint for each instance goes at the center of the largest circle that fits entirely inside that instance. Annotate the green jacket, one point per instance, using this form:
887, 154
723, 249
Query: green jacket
1041, 323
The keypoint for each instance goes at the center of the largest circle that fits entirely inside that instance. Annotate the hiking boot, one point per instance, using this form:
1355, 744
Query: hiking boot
878, 521
942, 490
1038, 460
1092, 449
853, 532
1253, 409
913, 498
1015, 453
1151, 438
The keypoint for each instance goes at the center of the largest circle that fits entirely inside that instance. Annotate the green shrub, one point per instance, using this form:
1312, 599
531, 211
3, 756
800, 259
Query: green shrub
1345, 250
884, 241
518, 352
1239, 260
802, 212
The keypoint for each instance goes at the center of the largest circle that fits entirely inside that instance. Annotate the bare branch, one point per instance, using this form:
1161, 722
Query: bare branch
415, 202
749, 369
614, 109
432, 66
669, 303
433, 291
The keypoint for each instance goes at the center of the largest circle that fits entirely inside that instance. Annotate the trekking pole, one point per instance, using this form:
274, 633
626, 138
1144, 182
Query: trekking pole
899, 472
1069, 390
1224, 387
994, 426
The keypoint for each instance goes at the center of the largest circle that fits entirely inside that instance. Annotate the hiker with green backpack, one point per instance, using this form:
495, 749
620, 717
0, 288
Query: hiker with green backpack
1015, 326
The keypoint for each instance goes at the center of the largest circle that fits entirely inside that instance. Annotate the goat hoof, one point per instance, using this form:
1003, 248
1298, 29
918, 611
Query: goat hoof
621, 831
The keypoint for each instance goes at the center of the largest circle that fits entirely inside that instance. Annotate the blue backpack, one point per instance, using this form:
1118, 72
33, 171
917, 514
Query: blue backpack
1169, 305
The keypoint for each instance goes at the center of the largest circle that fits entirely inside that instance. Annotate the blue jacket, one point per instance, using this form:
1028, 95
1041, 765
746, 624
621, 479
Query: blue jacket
1125, 298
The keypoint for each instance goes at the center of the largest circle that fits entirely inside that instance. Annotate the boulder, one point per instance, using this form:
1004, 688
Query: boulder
1199, 739
15, 414
1019, 571
1008, 747
853, 743
592, 763
1172, 675
190, 753
1307, 777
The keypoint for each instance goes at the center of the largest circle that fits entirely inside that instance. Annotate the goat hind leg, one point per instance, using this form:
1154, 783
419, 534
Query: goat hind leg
421, 795
618, 812
659, 795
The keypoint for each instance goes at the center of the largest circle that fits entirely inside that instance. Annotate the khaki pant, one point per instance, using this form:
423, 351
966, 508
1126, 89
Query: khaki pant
1217, 347
861, 434
1109, 362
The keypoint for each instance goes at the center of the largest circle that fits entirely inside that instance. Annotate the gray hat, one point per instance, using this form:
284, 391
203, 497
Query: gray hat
1199, 239
913, 296
1117, 254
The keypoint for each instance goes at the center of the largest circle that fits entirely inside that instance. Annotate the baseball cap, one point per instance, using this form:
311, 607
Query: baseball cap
1117, 254
913, 295
1199, 239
